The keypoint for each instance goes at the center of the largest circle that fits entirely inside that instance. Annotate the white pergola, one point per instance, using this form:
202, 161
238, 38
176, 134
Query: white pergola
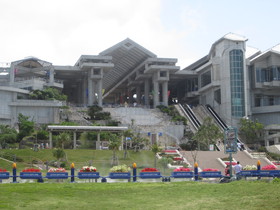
75, 129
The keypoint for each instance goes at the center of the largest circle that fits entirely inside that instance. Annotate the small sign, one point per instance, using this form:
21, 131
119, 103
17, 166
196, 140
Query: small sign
57, 175
182, 174
30, 175
150, 175
4, 175
88, 175
230, 140
120, 175
127, 138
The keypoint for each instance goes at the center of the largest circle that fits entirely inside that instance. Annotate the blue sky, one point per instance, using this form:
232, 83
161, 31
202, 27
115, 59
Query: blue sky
59, 31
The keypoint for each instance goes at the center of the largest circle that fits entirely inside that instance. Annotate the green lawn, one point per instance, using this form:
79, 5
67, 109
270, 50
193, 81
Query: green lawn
169, 195
101, 159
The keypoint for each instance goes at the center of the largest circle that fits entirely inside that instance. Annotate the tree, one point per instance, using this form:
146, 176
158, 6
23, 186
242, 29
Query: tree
164, 161
251, 131
59, 154
7, 136
208, 133
155, 149
26, 127
62, 139
114, 144
48, 94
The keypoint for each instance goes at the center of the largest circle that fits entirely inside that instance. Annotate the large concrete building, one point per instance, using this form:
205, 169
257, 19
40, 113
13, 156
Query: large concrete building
236, 80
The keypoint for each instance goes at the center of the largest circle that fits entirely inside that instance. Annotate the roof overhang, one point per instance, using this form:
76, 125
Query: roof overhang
86, 128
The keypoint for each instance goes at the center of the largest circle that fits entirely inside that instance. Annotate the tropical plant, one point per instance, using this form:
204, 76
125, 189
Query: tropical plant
155, 149
208, 133
251, 131
62, 139
114, 144
26, 127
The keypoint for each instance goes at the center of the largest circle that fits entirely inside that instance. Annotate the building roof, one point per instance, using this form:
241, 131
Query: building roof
126, 56
275, 49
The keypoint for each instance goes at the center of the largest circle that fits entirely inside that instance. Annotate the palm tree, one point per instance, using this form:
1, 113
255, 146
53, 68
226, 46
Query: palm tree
155, 149
114, 144
62, 139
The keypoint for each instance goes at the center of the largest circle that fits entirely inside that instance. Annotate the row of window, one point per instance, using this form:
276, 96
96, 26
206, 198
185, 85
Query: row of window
268, 74
262, 100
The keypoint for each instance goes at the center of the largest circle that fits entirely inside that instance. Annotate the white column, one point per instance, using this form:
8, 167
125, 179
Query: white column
51, 76
90, 91
98, 145
156, 96
74, 140
146, 92
165, 93
12, 74
99, 92
50, 139
84, 91
138, 93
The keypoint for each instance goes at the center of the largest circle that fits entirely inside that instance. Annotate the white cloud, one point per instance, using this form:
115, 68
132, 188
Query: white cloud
60, 31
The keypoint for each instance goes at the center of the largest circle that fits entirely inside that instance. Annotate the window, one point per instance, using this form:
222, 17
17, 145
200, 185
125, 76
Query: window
237, 83
205, 78
163, 74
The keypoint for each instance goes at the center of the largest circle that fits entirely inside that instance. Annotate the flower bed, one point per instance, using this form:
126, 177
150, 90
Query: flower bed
210, 169
269, 167
232, 163
31, 173
182, 169
57, 173
88, 169
4, 174
276, 163
178, 159
249, 168
149, 173
51, 170
120, 169
31, 170
170, 151
149, 170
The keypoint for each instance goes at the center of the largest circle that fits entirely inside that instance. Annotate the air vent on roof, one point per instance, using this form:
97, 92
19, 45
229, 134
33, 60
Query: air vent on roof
128, 45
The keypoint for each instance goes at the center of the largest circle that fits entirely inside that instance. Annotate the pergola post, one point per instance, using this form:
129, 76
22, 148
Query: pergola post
50, 139
98, 145
75, 140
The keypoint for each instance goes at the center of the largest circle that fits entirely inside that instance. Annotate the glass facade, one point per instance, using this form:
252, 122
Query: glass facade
237, 83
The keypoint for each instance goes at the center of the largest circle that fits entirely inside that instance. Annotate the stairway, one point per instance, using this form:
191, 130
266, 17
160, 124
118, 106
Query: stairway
148, 121
209, 159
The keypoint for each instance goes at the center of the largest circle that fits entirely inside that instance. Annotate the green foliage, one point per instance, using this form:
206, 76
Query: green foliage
155, 149
58, 153
7, 136
171, 111
95, 113
276, 180
10, 156
208, 133
42, 135
251, 132
48, 94
62, 139
26, 127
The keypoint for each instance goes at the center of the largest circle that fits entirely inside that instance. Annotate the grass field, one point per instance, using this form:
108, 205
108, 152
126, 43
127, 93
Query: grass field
101, 159
168, 195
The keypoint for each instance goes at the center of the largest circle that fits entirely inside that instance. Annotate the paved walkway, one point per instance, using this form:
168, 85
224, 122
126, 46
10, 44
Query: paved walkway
209, 159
